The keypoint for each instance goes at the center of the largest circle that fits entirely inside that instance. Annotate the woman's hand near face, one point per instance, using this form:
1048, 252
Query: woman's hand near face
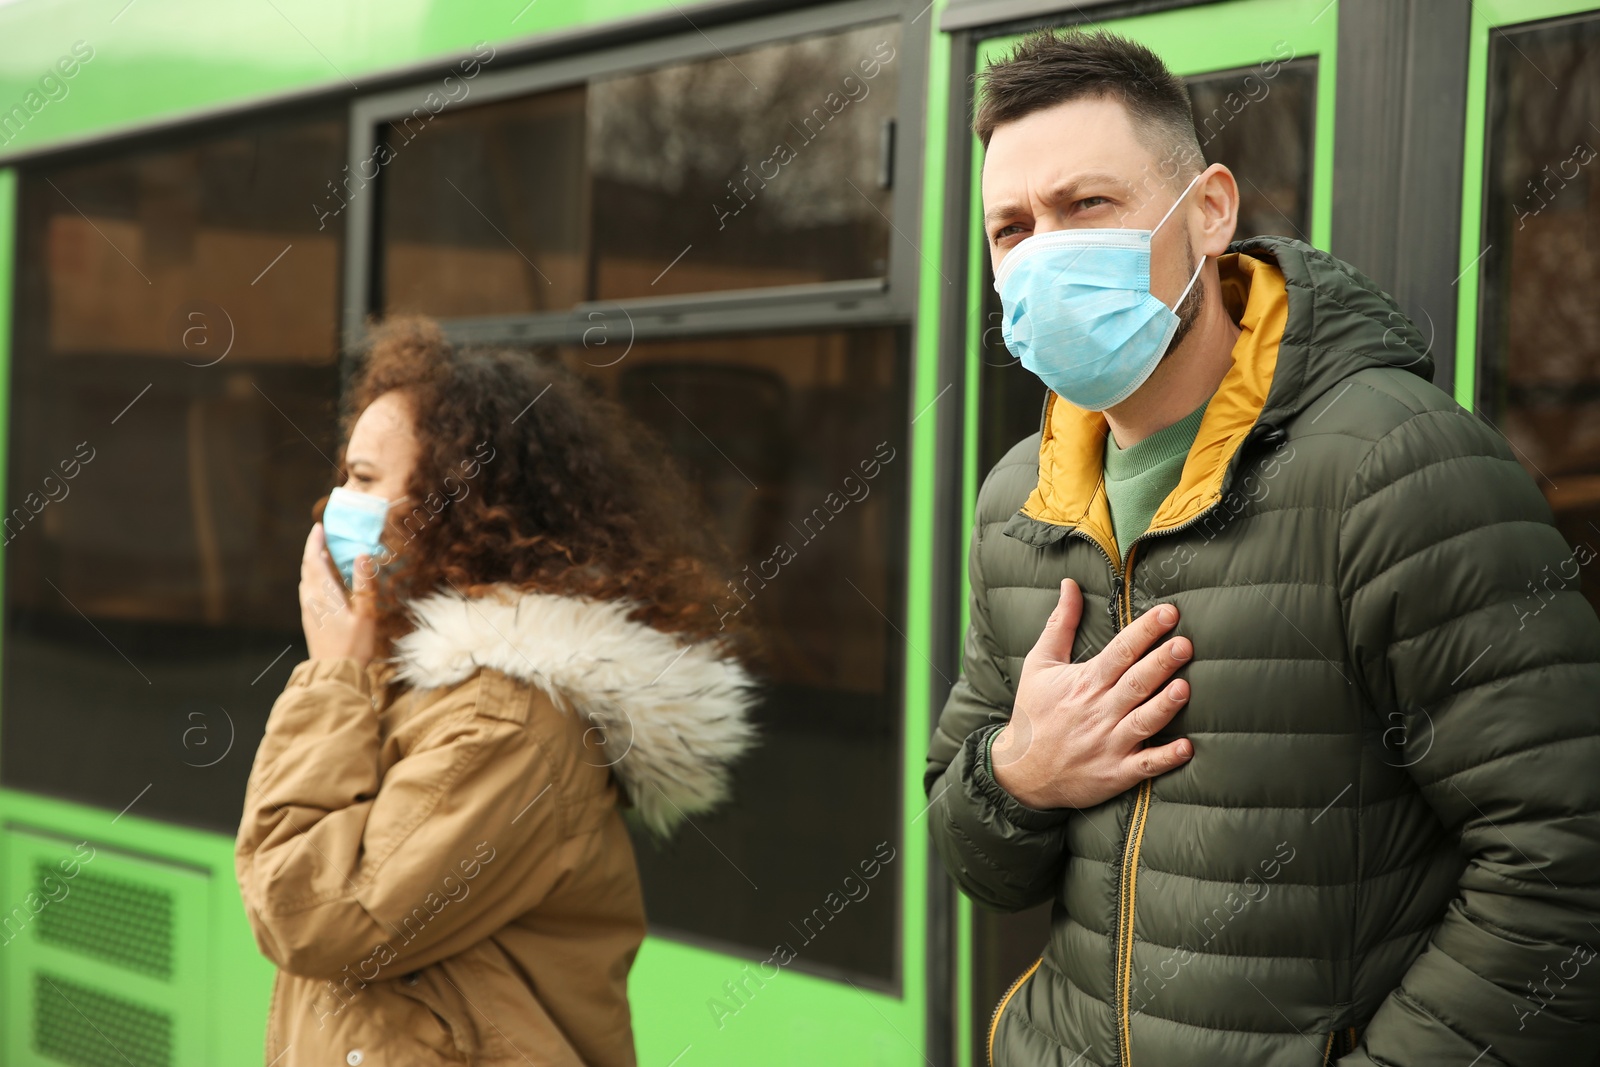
339, 623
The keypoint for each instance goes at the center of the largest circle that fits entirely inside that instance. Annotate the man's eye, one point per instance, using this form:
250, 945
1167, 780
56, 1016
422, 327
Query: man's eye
1092, 201
1007, 231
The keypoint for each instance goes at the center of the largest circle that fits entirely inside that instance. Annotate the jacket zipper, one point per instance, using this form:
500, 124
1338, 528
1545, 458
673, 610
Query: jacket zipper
1128, 883
994, 1020
1120, 608
1112, 609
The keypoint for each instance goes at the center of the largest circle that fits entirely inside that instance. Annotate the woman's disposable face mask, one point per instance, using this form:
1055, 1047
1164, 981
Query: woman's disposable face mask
352, 525
1078, 311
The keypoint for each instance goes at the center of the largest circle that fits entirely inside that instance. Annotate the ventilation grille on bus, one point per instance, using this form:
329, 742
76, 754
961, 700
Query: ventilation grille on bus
86, 1028
122, 922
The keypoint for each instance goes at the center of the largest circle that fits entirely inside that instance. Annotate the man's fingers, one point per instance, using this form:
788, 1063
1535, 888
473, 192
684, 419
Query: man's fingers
1150, 762
1143, 679
1125, 649
1150, 717
1055, 643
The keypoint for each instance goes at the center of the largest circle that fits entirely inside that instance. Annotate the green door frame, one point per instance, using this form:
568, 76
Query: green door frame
1192, 40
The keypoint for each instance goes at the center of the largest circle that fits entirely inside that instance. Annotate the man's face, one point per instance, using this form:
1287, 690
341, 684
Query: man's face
1080, 165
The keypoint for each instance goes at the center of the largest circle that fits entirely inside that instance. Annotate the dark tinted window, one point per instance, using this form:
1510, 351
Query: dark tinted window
484, 209
797, 443
172, 418
757, 169
1539, 326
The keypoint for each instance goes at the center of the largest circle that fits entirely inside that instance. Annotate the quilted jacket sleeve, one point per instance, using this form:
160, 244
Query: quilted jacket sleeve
340, 866
1003, 854
1466, 624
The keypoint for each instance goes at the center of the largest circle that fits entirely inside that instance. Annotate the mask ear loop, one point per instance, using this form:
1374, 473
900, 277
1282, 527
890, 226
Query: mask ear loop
1175, 203
1197, 267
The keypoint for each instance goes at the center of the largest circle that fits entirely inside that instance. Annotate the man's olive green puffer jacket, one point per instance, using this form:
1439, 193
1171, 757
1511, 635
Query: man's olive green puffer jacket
1386, 847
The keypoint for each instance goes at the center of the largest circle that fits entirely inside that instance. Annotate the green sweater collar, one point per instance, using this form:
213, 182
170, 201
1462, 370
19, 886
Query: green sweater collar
1159, 447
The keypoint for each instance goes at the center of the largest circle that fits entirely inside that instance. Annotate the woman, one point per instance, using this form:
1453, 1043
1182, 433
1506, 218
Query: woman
432, 850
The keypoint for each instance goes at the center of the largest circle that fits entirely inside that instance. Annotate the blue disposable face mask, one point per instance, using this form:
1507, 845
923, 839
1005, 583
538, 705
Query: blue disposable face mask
352, 525
1079, 314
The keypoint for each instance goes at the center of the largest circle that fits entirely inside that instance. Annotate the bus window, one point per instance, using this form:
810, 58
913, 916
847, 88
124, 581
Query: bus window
797, 443
176, 348
1539, 322
711, 175
484, 213
1263, 130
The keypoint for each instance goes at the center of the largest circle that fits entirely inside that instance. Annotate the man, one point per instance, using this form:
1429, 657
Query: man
1252, 692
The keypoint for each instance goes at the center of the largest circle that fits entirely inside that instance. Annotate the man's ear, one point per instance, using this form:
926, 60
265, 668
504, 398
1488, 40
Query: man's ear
1219, 201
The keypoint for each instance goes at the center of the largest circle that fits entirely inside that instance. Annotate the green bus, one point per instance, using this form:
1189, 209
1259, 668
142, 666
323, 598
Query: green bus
755, 223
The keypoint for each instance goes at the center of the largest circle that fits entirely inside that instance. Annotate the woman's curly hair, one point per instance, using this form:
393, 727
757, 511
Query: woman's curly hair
527, 477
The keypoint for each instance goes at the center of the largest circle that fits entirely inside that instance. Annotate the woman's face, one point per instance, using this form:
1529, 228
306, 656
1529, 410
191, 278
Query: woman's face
383, 448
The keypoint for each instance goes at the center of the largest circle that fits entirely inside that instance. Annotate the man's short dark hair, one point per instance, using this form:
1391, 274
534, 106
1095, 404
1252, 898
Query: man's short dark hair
1051, 67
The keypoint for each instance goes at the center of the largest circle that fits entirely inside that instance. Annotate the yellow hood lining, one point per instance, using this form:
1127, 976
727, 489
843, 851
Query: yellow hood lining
1071, 489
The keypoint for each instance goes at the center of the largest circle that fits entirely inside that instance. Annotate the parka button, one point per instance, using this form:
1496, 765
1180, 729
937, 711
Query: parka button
354, 1057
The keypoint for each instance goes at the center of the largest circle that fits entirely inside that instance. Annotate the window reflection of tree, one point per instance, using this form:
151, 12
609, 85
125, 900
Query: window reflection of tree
676, 151
486, 210
648, 184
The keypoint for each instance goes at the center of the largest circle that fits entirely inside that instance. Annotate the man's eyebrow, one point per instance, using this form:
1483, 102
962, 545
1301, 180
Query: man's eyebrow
1069, 189
1001, 211
1066, 190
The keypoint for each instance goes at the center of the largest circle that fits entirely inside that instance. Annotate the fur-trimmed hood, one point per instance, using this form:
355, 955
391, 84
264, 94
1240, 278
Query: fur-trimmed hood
678, 712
